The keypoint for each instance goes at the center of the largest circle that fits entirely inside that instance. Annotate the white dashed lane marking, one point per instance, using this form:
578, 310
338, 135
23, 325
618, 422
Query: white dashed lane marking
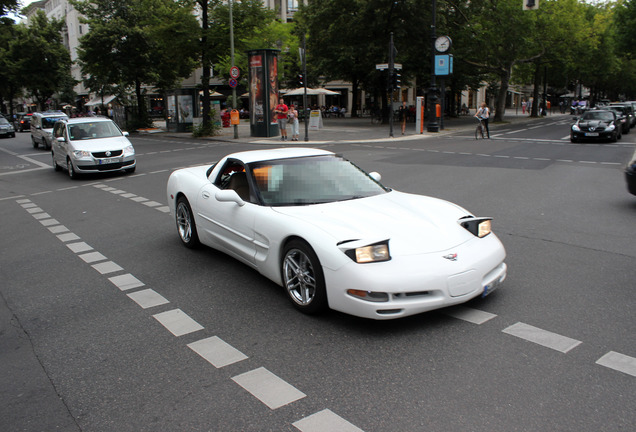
268, 388
217, 352
178, 322
325, 421
148, 298
619, 362
126, 282
542, 337
107, 267
471, 315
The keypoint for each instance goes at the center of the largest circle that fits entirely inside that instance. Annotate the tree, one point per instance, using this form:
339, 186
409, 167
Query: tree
132, 43
44, 64
7, 6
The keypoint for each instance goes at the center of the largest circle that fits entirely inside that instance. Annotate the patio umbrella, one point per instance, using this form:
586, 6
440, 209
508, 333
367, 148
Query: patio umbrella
310, 91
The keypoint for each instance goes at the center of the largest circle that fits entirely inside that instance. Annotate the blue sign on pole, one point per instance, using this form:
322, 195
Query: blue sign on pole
443, 64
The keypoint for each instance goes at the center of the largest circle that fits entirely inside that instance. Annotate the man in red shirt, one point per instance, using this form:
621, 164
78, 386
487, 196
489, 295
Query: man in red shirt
281, 115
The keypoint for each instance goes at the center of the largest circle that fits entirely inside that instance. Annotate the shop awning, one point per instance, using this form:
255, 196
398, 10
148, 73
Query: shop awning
99, 101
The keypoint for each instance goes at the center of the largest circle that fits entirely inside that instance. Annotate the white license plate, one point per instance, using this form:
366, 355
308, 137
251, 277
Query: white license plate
108, 161
491, 287
591, 133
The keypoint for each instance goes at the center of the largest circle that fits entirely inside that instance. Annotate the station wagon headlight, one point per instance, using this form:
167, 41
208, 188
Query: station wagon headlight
372, 253
129, 151
479, 227
81, 154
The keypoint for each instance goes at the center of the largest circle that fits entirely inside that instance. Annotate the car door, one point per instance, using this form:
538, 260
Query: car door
229, 225
59, 147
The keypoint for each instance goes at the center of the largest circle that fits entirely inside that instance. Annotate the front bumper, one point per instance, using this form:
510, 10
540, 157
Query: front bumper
419, 283
593, 136
96, 166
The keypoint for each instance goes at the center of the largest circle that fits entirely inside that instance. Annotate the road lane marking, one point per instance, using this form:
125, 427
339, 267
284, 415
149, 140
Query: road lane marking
49, 222
325, 421
177, 322
471, 315
148, 298
619, 362
126, 281
58, 229
79, 247
217, 352
268, 388
92, 257
107, 267
542, 337
68, 237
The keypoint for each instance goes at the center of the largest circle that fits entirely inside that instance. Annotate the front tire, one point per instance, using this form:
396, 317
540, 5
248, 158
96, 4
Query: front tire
303, 279
71, 170
186, 227
34, 142
56, 167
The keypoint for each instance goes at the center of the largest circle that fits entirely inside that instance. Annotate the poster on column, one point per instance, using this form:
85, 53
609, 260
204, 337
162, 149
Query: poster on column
256, 89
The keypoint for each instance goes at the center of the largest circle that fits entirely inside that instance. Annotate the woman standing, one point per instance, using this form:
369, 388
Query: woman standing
293, 120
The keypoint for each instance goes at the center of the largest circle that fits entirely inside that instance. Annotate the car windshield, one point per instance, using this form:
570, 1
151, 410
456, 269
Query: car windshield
49, 122
93, 130
598, 115
312, 180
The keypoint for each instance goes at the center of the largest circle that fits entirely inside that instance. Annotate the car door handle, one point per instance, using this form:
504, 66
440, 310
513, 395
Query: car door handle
206, 195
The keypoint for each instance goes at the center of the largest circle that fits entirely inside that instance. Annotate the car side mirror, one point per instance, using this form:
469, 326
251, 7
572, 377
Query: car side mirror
60, 139
375, 176
229, 195
126, 134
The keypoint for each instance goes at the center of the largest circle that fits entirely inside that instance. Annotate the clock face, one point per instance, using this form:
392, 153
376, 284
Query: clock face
442, 43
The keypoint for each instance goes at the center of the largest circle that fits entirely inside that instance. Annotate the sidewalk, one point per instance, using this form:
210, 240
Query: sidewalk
358, 130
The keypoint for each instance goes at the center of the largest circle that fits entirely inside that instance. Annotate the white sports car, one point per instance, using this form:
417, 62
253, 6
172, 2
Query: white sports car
333, 236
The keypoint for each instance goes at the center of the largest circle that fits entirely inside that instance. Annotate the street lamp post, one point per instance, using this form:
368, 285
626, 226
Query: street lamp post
432, 125
232, 61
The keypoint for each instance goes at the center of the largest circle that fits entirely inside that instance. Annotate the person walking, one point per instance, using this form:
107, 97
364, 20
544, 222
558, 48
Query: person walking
483, 113
281, 111
293, 120
403, 113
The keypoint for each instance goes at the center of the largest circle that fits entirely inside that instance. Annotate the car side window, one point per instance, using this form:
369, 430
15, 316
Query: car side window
58, 131
233, 176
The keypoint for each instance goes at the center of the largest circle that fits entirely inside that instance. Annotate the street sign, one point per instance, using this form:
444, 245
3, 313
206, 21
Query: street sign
235, 72
233, 83
383, 66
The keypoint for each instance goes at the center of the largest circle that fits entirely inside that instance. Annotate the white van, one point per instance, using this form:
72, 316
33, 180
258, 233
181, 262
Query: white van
42, 127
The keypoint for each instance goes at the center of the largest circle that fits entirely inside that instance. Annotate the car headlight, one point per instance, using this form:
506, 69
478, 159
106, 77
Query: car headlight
81, 154
611, 127
479, 227
371, 296
576, 128
372, 253
129, 151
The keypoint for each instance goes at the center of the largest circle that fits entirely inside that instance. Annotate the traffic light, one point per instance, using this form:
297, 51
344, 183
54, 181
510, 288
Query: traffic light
396, 79
530, 4
301, 81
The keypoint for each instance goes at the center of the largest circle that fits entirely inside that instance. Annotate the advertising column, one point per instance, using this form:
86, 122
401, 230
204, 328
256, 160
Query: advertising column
263, 89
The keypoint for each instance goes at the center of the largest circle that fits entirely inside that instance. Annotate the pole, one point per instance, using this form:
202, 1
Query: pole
432, 91
390, 86
232, 61
306, 111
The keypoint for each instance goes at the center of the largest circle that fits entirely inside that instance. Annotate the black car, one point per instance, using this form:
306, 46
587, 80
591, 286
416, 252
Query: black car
628, 109
630, 175
595, 125
23, 122
622, 117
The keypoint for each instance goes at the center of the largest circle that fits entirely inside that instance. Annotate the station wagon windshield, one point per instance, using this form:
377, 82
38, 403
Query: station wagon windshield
93, 130
312, 180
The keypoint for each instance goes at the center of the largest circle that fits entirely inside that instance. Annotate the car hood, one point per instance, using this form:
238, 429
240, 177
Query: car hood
594, 123
101, 144
414, 224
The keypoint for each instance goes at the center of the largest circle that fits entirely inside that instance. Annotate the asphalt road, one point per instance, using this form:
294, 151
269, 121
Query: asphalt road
107, 323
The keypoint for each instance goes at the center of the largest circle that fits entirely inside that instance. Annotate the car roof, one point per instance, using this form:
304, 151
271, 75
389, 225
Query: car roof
278, 153
77, 120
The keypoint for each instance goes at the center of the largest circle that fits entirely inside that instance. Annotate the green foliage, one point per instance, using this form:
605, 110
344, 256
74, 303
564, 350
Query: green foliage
209, 128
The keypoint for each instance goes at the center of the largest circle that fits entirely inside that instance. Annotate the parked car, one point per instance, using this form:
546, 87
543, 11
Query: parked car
23, 122
628, 110
42, 127
630, 175
91, 145
333, 236
6, 128
595, 125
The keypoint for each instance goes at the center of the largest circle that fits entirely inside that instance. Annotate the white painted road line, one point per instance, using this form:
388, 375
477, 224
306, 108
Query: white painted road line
177, 322
68, 237
542, 337
325, 421
126, 281
148, 298
58, 229
92, 257
471, 315
49, 222
107, 267
268, 388
79, 247
619, 362
217, 352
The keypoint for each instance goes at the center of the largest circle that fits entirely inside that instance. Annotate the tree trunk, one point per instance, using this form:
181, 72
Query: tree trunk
205, 76
500, 109
537, 86
142, 115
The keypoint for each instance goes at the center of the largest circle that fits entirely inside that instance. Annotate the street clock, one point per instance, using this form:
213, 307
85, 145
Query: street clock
443, 43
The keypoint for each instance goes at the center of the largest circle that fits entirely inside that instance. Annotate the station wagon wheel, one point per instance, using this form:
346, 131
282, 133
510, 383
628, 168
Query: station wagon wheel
56, 167
34, 142
186, 227
71, 171
303, 279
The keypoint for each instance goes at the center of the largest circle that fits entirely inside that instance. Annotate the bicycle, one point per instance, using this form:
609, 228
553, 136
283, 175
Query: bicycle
480, 132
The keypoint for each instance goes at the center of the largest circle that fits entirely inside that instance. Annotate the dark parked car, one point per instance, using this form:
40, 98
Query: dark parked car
595, 125
628, 109
622, 118
630, 175
23, 122
6, 128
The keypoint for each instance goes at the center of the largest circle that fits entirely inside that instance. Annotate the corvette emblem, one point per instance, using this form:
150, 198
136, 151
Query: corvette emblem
451, 257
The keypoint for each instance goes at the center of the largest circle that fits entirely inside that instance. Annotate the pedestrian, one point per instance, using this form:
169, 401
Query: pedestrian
403, 112
281, 111
293, 121
524, 104
483, 114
